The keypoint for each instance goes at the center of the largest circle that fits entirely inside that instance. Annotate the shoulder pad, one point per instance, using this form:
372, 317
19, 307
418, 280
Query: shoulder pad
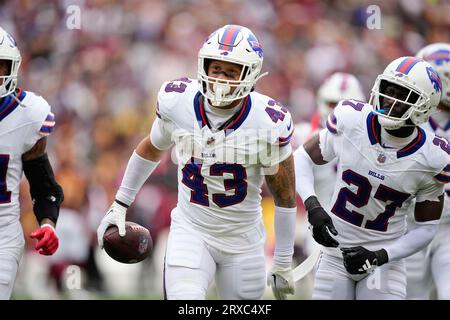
279, 119
346, 114
170, 93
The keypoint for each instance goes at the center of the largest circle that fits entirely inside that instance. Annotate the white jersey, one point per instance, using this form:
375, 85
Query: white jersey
21, 126
375, 186
444, 132
324, 175
220, 172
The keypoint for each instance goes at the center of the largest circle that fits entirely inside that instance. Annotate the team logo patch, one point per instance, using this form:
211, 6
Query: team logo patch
256, 46
434, 78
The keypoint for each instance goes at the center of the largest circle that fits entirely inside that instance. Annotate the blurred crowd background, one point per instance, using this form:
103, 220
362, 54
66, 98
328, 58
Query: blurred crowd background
102, 79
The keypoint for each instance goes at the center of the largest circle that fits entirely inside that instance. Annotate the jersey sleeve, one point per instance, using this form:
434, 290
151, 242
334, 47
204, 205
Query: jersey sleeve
345, 116
41, 118
279, 144
330, 136
430, 191
44, 117
439, 161
162, 128
169, 95
161, 134
444, 175
48, 125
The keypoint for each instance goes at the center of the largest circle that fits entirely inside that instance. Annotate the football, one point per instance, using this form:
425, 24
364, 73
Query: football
134, 247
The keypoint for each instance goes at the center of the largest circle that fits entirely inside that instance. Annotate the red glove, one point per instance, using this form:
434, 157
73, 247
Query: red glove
47, 240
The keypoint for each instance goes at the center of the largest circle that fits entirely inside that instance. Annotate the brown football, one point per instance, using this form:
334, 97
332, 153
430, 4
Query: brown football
134, 247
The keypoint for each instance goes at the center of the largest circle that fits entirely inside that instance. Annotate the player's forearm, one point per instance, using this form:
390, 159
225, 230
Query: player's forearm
282, 184
411, 242
304, 176
142, 163
285, 222
282, 187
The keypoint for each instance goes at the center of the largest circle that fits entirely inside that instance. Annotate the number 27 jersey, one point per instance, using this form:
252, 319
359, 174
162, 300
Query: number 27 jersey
375, 186
220, 171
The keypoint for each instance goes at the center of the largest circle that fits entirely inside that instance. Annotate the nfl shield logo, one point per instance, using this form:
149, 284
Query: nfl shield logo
381, 158
210, 140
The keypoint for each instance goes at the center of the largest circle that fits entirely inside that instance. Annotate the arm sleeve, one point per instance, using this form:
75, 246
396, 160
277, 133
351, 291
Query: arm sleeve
137, 172
304, 175
285, 221
413, 241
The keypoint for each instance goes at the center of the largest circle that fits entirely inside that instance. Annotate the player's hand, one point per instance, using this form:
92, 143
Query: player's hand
281, 281
322, 225
48, 241
359, 260
115, 216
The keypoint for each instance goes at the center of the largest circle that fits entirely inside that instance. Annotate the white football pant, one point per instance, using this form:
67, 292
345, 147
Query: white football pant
191, 265
430, 266
11, 248
333, 282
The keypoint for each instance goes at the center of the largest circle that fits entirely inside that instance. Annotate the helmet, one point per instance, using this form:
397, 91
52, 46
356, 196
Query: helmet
421, 91
438, 55
9, 52
235, 44
337, 87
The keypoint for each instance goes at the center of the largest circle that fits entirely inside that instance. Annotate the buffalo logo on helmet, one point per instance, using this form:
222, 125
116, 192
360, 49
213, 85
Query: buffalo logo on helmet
439, 57
434, 78
255, 45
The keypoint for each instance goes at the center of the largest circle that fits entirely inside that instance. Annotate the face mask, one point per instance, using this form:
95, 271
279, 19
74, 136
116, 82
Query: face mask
220, 91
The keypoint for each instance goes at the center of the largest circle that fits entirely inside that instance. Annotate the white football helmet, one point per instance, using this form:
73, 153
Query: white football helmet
235, 44
422, 87
438, 55
9, 52
337, 87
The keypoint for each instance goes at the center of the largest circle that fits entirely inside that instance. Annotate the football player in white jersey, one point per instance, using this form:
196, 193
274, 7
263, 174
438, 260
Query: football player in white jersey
336, 87
385, 161
432, 264
25, 122
225, 135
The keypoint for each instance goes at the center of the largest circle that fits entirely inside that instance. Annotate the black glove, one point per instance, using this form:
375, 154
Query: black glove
321, 223
359, 260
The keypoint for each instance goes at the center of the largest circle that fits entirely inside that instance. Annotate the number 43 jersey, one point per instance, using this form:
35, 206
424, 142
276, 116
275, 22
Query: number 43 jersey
21, 126
375, 185
220, 171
